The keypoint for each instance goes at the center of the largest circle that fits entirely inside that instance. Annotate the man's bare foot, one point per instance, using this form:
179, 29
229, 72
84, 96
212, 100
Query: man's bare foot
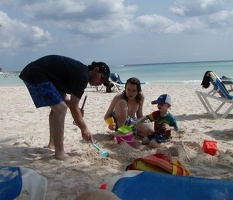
65, 157
61, 156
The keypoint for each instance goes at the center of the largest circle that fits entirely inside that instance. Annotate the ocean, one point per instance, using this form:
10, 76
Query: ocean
179, 72
182, 72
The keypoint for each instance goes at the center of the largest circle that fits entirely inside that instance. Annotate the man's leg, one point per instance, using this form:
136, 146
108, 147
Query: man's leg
56, 122
46, 94
51, 141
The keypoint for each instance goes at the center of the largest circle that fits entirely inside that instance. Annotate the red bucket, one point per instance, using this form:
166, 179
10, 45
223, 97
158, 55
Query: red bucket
210, 147
127, 138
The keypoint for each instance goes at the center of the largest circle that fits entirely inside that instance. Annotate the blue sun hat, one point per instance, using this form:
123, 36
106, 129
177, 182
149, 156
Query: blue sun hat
164, 98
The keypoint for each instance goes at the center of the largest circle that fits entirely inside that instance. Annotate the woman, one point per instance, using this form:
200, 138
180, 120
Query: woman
127, 106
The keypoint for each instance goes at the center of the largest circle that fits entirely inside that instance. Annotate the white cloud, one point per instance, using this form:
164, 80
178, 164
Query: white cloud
103, 19
15, 34
194, 25
179, 10
117, 31
204, 15
197, 8
95, 19
159, 24
223, 19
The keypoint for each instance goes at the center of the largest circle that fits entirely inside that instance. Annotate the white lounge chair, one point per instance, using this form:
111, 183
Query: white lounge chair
219, 94
15, 180
118, 84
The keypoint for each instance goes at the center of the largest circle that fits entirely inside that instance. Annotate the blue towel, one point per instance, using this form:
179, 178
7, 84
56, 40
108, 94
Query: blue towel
10, 182
158, 186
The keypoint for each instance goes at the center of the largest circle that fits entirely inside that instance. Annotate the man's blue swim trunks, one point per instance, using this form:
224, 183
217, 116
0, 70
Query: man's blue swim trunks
44, 94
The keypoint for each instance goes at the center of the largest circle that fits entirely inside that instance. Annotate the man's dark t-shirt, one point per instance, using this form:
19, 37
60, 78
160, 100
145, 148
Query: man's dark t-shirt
66, 74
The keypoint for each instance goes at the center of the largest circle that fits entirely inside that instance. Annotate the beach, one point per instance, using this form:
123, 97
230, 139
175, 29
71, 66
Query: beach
25, 131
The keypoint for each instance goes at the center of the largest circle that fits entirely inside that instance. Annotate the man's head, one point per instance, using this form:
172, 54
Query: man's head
103, 70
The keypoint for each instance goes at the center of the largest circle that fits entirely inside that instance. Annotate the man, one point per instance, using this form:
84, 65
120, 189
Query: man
49, 79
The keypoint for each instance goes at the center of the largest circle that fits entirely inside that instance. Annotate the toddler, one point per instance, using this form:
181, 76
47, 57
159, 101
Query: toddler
164, 122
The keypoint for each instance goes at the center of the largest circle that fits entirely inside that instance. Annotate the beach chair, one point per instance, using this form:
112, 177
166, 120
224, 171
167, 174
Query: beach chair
118, 84
108, 88
116, 78
228, 82
219, 94
15, 180
135, 184
99, 88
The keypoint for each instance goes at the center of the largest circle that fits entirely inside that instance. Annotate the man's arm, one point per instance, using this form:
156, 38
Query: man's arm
78, 118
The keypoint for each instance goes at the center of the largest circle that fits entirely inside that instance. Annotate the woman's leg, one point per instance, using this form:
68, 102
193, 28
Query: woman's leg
145, 129
121, 112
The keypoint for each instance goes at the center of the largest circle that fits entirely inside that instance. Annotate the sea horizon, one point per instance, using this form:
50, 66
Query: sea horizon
149, 63
175, 62
174, 72
165, 73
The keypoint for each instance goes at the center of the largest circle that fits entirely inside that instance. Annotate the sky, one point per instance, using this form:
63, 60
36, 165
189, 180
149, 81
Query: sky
116, 32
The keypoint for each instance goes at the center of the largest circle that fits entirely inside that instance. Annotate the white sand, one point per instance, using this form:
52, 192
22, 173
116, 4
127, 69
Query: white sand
24, 132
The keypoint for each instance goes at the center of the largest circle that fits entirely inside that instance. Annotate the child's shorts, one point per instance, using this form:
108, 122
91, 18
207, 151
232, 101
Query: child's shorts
44, 94
159, 137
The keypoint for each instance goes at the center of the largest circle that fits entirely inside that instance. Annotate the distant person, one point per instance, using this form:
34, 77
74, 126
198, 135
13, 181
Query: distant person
49, 79
126, 107
164, 122
109, 87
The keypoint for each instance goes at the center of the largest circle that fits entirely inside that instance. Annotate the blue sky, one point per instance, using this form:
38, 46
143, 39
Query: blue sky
116, 32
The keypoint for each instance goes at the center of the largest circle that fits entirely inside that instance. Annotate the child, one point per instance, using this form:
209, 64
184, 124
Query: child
164, 122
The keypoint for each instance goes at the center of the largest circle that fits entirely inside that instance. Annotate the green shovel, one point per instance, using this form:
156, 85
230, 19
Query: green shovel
125, 129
